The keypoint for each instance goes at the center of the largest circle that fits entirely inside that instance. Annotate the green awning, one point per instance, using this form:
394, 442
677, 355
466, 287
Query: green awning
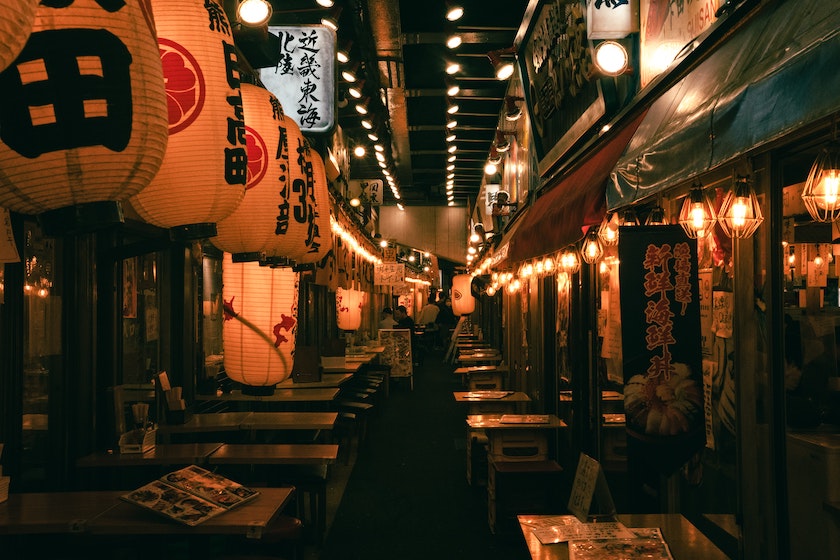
779, 72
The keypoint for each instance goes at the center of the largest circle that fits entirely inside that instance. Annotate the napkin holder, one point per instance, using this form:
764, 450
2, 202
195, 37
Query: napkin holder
138, 441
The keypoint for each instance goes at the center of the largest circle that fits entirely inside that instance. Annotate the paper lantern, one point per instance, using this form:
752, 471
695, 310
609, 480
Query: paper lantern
463, 302
94, 131
293, 234
251, 227
16, 20
202, 179
318, 233
348, 309
260, 323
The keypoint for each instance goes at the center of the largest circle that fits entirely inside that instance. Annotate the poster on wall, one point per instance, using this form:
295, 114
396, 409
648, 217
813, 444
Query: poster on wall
660, 333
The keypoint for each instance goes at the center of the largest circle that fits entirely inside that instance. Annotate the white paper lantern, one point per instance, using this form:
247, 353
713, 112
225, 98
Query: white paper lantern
317, 242
97, 130
16, 20
202, 179
292, 234
260, 323
348, 309
250, 228
463, 302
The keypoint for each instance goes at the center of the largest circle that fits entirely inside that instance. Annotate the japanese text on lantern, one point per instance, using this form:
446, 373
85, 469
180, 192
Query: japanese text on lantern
304, 208
303, 78
660, 286
236, 154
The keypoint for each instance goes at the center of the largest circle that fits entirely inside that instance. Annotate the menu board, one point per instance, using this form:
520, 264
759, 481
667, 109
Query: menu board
397, 354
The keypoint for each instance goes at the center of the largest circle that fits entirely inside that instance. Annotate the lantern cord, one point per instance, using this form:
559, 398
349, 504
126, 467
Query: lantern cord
259, 332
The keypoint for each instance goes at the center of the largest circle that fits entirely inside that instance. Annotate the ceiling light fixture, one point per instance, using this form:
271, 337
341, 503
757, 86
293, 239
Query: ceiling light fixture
452, 109
503, 68
512, 108
379, 147
501, 142
452, 148
349, 73
325, 3
451, 137
253, 13
495, 157
452, 90
373, 137
359, 151
343, 53
454, 11
331, 19
452, 68
357, 89
454, 41
367, 123
362, 106
452, 123
452, 158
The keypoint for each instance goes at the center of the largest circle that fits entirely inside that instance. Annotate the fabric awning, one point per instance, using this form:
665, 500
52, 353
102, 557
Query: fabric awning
777, 73
559, 216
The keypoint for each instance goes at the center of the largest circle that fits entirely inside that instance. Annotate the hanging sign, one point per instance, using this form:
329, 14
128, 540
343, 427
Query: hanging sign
304, 78
611, 19
389, 273
660, 332
373, 191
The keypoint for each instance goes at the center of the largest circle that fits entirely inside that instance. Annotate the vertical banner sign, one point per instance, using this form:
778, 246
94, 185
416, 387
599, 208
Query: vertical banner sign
663, 383
304, 78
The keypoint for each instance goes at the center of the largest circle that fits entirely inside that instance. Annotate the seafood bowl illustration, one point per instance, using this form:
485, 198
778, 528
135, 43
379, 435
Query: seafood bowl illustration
663, 407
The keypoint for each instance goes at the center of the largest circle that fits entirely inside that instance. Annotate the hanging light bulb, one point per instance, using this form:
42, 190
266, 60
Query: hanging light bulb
608, 232
696, 216
592, 249
569, 261
822, 188
740, 214
656, 217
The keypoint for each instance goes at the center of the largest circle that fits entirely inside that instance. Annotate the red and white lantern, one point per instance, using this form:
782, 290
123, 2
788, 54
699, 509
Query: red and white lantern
348, 309
16, 20
463, 302
94, 132
260, 323
251, 227
202, 179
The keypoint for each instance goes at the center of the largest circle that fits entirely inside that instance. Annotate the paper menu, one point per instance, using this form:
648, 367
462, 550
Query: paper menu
648, 544
562, 528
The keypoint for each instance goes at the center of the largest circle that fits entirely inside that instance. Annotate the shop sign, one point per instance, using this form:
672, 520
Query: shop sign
389, 274
563, 100
611, 19
304, 78
660, 329
666, 27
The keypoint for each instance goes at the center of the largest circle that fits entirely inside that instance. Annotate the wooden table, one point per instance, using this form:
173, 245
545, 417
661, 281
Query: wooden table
249, 519
285, 394
348, 367
684, 539
486, 401
290, 421
479, 358
466, 370
207, 422
328, 380
274, 454
53, 512
162, 454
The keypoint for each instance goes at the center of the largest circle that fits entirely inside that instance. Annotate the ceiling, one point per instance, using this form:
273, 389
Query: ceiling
400, 48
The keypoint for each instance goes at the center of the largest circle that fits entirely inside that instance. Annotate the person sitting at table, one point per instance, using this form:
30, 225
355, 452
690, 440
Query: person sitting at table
403, 319
386, 319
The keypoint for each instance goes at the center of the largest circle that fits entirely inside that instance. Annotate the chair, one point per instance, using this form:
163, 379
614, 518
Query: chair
310, 482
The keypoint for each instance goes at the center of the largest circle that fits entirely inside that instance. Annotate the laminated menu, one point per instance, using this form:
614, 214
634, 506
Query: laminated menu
191, 495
